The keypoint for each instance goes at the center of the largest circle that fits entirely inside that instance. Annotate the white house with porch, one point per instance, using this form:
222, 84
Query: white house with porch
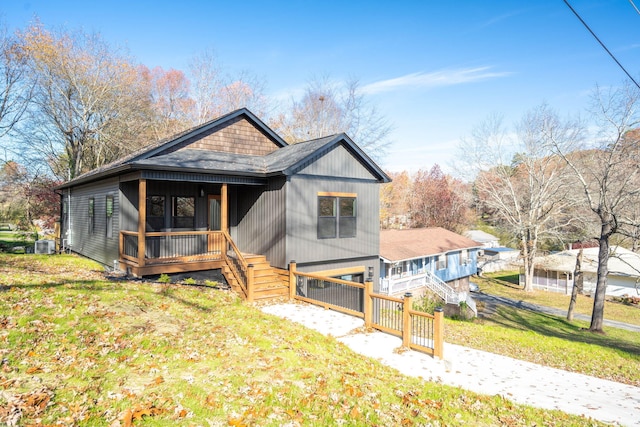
556, 272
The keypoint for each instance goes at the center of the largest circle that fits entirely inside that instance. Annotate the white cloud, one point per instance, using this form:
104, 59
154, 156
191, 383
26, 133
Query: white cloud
434, 79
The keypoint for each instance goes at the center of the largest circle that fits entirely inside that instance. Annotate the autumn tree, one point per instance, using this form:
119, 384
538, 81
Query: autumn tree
520, 180
327, 108
27, 197
168, 94
606, 170
394, 200
86, 107
439, 200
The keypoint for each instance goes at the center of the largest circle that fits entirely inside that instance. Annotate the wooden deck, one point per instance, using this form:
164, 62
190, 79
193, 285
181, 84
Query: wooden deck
251, 276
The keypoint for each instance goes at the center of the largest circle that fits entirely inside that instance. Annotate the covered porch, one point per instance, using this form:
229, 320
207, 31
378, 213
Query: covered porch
181, 226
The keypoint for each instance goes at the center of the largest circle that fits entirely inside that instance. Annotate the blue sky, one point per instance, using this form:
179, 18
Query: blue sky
436, 69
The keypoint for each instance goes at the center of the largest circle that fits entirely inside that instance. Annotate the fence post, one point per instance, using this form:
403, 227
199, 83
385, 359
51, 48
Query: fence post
438, 332
368, 303
250, 283
292, 279
406, 319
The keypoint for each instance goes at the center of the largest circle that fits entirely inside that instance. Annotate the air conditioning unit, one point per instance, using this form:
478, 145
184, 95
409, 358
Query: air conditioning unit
45, 247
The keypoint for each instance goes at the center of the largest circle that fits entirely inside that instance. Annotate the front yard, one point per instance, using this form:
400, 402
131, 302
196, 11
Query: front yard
80, 350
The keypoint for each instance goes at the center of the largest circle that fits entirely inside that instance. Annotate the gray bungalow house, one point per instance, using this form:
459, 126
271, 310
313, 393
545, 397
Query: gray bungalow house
231, 195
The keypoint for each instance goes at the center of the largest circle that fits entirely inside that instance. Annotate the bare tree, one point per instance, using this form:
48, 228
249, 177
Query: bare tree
606, 168
519, 179
15, 90
215, 93
327, 108
86, 105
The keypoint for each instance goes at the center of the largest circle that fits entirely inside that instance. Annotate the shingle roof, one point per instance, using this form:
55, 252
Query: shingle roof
284, 160
399, 245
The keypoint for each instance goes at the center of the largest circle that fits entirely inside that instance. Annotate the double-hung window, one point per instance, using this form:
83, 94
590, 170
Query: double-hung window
155, 213
337, 215
109, 212
183, 212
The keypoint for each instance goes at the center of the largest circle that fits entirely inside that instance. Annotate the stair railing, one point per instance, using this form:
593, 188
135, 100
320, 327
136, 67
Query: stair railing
239, 267
444, 291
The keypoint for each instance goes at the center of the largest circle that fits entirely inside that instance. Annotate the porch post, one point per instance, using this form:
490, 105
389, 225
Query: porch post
142, 218
368, 303
292, 279
224, 209
250, 282
438, 332
406, 320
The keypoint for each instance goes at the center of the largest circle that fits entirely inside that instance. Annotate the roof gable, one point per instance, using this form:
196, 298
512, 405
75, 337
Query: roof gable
237, 135
335, 155
222, 134
239, 143
411, 243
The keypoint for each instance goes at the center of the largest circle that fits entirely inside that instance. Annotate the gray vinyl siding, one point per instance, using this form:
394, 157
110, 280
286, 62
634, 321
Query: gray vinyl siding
337, 162
304, 246
336, 171
260, 215
95, 245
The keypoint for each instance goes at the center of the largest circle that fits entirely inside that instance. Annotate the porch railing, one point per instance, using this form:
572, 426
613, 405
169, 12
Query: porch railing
418, 330
163, 247
188, 246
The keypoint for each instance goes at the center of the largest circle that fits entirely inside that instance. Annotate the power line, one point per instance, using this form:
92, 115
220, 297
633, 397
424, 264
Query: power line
602, 44
634, 6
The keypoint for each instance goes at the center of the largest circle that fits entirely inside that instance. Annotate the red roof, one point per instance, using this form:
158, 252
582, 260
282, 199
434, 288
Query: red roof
410, 243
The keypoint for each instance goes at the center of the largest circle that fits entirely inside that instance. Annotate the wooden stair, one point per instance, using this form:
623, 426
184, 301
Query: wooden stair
268, 282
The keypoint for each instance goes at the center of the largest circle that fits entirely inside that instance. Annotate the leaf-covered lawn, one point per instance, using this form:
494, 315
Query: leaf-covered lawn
78, 349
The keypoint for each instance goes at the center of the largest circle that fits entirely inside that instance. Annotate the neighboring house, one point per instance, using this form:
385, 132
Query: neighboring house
492, 257
498, 259
556, 272
227, 192
433, 258
485, 239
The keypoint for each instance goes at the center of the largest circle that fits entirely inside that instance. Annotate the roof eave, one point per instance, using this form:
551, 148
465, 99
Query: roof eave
101, 175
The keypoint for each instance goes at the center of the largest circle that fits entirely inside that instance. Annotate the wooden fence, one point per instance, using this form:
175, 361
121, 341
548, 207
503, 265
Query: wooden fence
418, 330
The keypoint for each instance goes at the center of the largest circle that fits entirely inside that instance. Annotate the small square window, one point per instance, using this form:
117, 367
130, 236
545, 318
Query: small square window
336, 216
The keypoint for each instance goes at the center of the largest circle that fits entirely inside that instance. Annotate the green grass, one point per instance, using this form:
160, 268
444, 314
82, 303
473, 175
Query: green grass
82, 350
552, 340
506, 284
12, 239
